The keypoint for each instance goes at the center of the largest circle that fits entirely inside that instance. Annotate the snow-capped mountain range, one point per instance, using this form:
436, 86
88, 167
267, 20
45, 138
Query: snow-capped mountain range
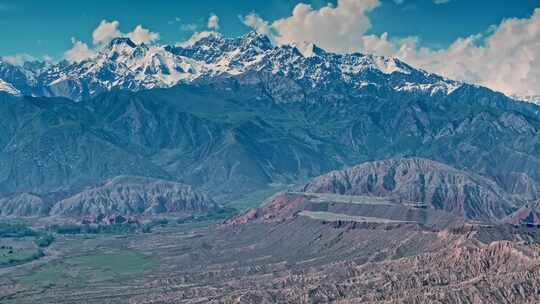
122, 64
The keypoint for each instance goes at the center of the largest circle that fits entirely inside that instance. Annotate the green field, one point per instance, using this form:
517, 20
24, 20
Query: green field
91, 268
15, 256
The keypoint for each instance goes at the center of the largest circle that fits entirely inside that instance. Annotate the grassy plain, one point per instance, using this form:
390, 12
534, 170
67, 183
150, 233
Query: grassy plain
96, 267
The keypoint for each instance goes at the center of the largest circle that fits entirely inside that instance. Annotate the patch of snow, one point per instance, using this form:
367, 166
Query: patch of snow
535, 99
306, 49
198, 37
8, 88
388, 65
433, 88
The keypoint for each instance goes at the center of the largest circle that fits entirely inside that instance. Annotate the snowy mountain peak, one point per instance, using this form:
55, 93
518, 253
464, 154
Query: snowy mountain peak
122, 47
122, 41
254, 39
202, 39
309, 49
126, 65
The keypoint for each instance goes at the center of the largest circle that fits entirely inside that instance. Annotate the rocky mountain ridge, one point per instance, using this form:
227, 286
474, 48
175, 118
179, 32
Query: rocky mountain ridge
123, 64
229, 137
126, 196
233, 116
421, 180
403, 190
528, 214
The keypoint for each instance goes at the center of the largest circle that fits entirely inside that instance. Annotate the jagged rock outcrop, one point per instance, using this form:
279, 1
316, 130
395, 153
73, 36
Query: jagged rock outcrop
131, 195
519, 184
421, 180
279, 207
529, 214
23, 205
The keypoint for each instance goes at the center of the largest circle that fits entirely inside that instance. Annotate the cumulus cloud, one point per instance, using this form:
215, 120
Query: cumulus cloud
141, 35
258, 24
79, 52
104, 33
506, 58
213, 26
213, 22
18, 59
337, 29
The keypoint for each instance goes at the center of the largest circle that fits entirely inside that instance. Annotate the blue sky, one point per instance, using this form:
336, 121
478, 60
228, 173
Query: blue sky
41, 28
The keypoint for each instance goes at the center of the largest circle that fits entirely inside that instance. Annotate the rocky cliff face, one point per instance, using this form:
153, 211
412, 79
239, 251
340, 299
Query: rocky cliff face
230, 138
528, 214
129, 195
519, 184
421, 180
23, 205
397, 191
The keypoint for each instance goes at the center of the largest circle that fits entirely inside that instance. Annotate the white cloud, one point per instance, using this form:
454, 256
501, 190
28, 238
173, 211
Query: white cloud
106, 31
213, 22
441, 1
79, 52
258, 24
337, 29
18, 59
141, 35
506, 58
